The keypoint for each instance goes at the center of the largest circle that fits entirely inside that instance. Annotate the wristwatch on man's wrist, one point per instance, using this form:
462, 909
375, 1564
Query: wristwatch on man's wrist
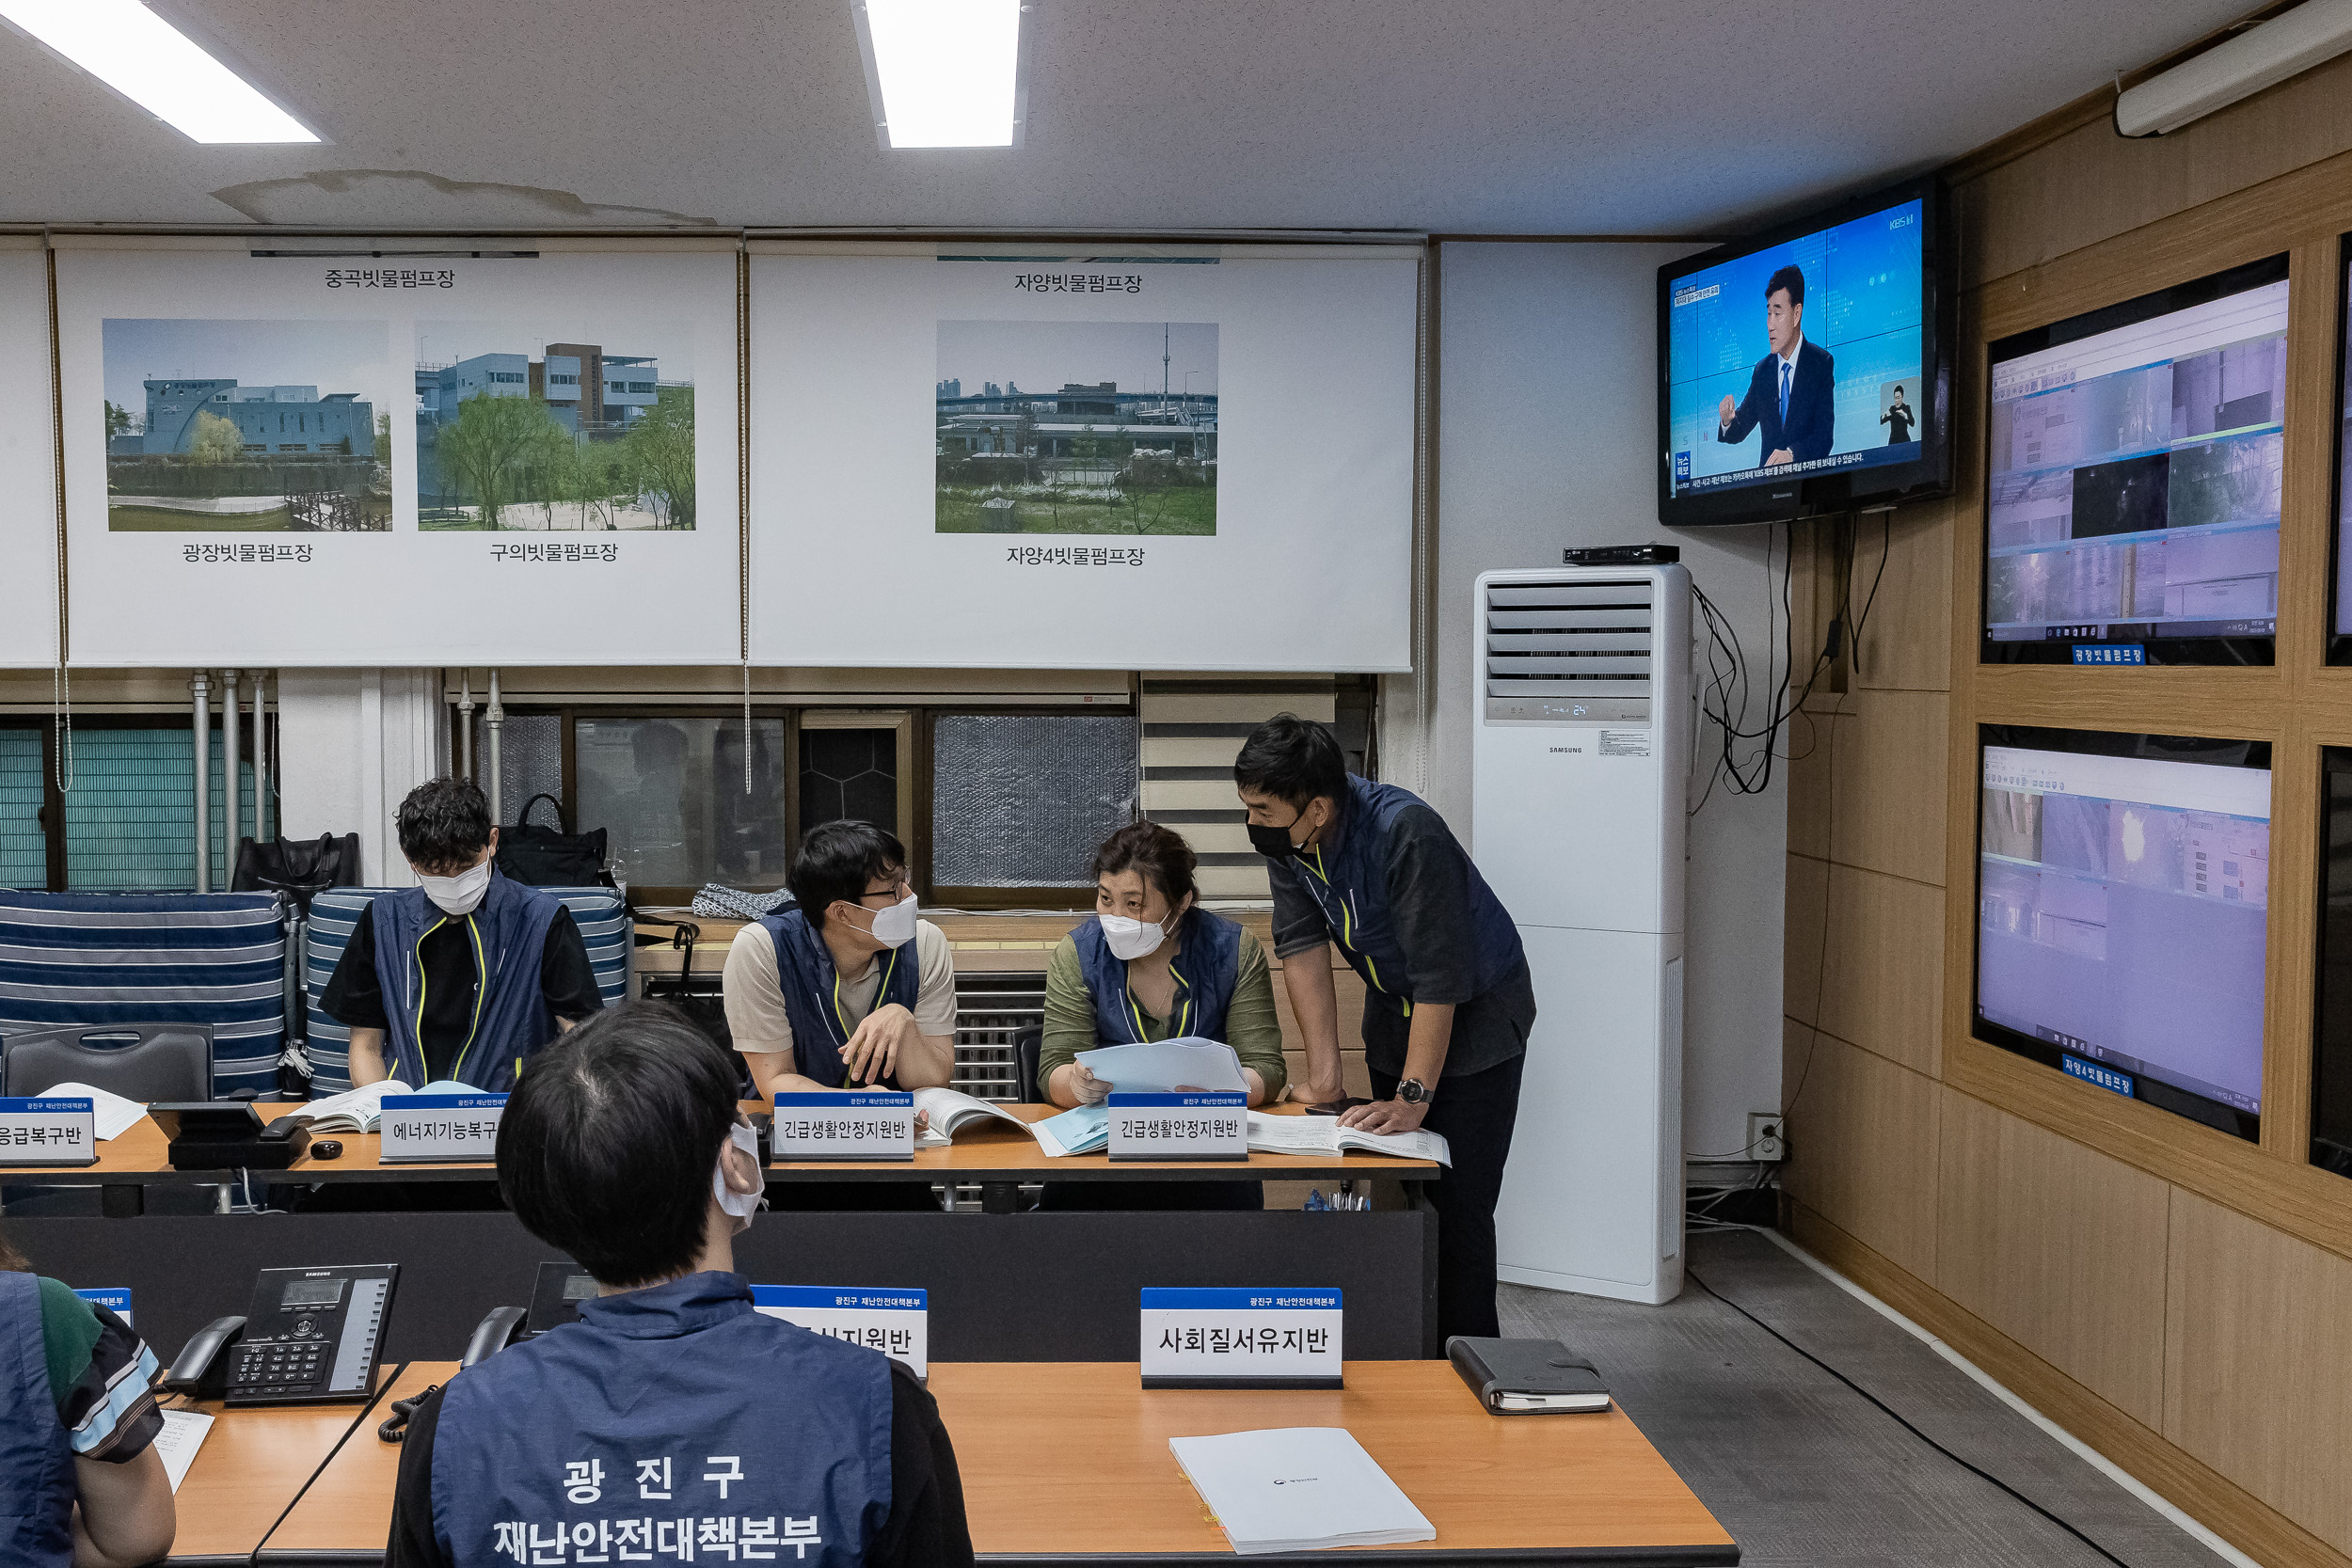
1413, 1092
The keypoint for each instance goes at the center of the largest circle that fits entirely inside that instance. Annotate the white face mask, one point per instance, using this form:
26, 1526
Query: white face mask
458, 894
741, 1205
1130, 938
894, 926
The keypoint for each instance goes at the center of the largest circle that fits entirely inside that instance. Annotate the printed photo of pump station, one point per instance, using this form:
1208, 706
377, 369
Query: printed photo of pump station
247, 426
550, 430
1077, 427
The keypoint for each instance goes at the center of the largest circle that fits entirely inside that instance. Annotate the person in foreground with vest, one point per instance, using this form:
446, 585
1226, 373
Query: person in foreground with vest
1154, 965
1373, 868
673, 1421
81, 1484
845, 986
465, 976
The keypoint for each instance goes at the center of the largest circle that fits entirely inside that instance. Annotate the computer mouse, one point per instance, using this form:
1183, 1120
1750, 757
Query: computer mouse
326, 1148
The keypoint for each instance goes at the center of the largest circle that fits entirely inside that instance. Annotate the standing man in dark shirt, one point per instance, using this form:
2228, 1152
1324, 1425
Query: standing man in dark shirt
1373, 868
467, 976
673, 1416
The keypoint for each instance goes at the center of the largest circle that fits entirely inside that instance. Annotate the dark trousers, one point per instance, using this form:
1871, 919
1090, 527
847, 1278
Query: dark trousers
1474, 1113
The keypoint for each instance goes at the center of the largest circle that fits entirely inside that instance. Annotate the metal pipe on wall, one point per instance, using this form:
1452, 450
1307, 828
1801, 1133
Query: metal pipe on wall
465, 724
200, 704
261, 758
231, 780
492, 720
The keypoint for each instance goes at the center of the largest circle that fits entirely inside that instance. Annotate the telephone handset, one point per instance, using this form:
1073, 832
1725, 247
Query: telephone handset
555, 1300
310, 1337
493, 1334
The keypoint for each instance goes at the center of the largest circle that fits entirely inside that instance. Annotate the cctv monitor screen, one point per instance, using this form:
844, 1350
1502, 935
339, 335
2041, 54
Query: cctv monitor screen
1801, 373
2339, 611
2134, 456
2122, 889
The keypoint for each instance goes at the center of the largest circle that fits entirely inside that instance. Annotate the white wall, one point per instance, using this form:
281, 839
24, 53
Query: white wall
355, 741
1547, 429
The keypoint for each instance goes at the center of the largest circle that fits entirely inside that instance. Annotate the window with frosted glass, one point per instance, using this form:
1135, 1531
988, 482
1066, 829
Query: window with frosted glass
849, 775
670, 795
23, 844
130, 812
1024, 799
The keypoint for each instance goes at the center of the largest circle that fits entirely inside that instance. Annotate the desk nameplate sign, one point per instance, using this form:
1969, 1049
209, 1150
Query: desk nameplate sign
48, 1132
441, 1129
1201, 1125
1211, 1338
861, 1124
896, 1322
115, 1299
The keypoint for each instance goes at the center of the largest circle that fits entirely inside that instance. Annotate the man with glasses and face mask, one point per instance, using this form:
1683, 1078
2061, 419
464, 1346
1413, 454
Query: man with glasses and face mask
464, 977
845, 987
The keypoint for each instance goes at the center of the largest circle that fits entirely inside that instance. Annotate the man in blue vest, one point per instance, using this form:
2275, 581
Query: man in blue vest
465, 976
673, 1421
1372, 867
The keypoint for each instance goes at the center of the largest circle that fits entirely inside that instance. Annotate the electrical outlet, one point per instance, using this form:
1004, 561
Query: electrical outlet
1764, 1136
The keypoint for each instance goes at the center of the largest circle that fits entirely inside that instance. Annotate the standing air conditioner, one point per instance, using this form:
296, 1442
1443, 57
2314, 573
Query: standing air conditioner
1577, 785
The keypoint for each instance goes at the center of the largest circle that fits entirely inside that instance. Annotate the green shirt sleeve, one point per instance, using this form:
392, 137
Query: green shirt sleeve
1069, 1013
1254, 1030
68, 1332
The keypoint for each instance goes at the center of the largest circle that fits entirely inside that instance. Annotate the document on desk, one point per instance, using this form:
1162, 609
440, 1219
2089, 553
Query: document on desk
1296, 1489
1080, 1132
948, 1112
113, 1114
1270, 1134
357, 1110
184, 1434
1166, 1066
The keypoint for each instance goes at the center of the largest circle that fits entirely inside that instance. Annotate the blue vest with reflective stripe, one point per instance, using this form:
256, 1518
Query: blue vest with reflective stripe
1350, 887
805, 969
675, 1421
36, 1451
1206, 966
512, 1019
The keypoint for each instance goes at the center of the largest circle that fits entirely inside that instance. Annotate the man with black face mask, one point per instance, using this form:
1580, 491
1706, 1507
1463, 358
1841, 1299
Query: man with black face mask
465, 976
1373, 868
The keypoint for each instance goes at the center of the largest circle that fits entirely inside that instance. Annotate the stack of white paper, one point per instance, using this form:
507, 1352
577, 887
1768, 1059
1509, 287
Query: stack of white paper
113, 1114
184, 1434
1166, 1066
1295, 1489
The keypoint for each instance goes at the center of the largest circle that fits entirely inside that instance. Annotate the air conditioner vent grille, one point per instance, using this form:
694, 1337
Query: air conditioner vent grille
1576, 639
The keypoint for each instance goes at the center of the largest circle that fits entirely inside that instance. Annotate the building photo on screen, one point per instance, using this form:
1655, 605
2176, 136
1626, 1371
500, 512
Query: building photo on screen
1799, 360
2134, 459
2122, 898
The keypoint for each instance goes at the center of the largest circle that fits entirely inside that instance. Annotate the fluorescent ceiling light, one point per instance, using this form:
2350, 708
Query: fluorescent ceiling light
157, 67
943, 73
2264, 55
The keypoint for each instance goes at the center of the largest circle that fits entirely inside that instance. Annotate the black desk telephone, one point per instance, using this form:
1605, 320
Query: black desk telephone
555, 1299
310, 1337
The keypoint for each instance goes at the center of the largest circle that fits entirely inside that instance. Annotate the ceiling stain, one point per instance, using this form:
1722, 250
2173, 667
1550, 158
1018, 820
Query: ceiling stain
415, 197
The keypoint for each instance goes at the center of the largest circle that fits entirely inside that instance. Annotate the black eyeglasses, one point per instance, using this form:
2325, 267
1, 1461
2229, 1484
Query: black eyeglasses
896, 892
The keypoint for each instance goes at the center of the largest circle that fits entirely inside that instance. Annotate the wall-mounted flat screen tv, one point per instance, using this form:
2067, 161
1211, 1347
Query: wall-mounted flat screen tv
2132, 481
2122, 889
1805, 370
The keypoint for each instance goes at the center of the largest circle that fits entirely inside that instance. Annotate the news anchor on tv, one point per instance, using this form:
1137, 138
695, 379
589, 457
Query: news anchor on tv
1792, 395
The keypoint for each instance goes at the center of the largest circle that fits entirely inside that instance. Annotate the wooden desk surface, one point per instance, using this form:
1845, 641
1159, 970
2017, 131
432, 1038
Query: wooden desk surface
253, 1464
991, 1151
1072, 1459
142, 1154
349, 1506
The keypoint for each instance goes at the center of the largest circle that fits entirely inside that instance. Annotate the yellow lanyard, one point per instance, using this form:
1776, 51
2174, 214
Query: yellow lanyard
480, 983
841, 1015
1180, 1015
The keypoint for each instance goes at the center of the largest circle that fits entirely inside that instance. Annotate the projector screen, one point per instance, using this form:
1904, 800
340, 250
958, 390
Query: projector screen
2122, 896
1197, 460
2133, 462
28, 525
325, 455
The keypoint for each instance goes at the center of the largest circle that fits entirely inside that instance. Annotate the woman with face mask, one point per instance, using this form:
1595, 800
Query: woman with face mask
1154, 965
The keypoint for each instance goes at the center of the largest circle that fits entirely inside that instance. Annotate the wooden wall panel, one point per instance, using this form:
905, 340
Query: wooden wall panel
2258, 1377
1906, 642
1801, 976
1862, 1140
1887, 796
1811, 744
1882, 987
2060, 1248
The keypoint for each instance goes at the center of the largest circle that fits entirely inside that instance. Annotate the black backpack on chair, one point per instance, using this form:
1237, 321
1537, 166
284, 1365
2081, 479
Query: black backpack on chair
297, 867
549, 857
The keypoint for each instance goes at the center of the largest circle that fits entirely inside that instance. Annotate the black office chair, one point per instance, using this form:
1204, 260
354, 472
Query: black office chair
146, 1062
1025, 1046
